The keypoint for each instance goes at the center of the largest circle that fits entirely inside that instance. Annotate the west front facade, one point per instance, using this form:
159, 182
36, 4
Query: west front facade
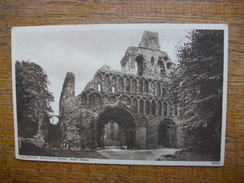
125, 108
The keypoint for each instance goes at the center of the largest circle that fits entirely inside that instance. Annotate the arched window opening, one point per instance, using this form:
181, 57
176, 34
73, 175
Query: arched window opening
121, 85
175, 113
168, 65
113, 89
147, 107
164, 109
140, 86
113, 83
153, 88
159, 89
169, 110
160, 63
162, 92
139, 63
134, 86
106, 78
123, 99
162, 68
114, 80
99, 87
159, 108
135, 105
127, 85
128, 102
99, 78
141, 104
153, 107
105, 99
146, 86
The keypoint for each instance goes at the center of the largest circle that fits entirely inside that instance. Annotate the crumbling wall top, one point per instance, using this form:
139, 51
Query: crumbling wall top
150, 40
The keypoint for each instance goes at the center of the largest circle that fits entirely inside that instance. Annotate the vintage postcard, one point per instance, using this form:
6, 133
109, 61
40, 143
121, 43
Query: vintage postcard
138, 94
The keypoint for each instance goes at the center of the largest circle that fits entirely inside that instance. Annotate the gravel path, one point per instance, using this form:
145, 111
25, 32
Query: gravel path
136, 154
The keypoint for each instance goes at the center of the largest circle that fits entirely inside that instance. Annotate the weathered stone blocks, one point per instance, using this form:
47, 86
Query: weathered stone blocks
133, 98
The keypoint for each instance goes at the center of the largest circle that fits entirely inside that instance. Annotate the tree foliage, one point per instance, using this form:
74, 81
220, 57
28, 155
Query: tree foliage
33, 96
197, 87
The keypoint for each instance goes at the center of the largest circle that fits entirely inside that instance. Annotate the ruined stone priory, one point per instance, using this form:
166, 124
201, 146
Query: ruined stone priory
127, 108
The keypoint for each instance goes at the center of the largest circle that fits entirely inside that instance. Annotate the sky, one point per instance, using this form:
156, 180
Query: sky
84, 49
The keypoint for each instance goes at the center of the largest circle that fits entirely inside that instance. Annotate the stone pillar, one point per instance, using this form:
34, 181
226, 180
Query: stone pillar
68, 92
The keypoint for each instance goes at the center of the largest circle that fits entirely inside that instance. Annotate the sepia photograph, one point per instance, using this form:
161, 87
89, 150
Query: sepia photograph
137, 94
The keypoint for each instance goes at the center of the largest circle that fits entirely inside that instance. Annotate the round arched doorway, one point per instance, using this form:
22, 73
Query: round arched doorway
167, 134
125, 123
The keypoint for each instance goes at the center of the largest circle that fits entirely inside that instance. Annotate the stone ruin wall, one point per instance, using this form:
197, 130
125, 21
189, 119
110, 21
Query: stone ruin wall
142, 94
80, 113
156, 64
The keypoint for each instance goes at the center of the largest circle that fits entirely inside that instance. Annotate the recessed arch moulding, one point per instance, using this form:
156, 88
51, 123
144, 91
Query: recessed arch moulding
133, 98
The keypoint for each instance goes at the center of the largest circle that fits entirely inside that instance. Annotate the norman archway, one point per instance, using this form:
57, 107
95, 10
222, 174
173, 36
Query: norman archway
125, 121
167, 135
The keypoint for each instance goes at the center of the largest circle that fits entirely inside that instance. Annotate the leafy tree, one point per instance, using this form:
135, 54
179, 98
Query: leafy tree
197, 87
33, 97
